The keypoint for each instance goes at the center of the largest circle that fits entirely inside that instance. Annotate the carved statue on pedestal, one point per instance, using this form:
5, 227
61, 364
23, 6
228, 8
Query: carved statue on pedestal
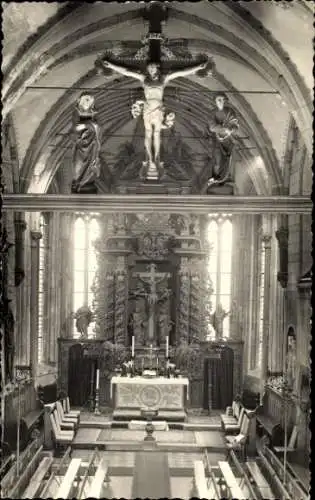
217, 320
83, 317
221, 127
87, 146
140, 323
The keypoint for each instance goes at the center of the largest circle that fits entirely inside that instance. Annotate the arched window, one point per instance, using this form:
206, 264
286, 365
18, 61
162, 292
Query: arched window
220, 234
43, 249
86, 231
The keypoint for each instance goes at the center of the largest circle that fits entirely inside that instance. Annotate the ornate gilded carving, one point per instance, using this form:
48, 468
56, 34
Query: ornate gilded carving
154, 291
183, 310
120, 306
153, 245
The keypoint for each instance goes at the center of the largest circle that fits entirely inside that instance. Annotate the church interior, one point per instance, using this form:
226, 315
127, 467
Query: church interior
156, 249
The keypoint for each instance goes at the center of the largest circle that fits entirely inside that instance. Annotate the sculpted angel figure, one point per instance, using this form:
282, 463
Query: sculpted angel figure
153, 111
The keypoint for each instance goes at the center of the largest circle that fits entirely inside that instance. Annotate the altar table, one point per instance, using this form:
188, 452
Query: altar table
139, 392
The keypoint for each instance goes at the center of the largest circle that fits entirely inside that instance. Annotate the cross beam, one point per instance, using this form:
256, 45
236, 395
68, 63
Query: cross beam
162, 203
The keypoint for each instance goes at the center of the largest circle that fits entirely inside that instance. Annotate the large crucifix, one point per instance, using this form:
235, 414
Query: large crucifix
153, 296
154, 78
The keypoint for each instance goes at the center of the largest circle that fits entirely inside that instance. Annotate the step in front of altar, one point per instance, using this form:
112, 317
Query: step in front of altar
122, 414
133, 440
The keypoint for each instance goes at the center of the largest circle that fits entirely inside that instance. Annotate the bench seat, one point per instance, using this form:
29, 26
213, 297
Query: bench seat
259, 479
36, 482
231, 481
98, 480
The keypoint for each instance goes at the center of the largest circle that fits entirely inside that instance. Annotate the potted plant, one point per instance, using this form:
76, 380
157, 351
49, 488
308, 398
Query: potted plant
187, 356
113, 355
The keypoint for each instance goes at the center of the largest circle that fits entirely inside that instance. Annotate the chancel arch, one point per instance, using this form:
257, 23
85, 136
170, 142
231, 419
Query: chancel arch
155, 248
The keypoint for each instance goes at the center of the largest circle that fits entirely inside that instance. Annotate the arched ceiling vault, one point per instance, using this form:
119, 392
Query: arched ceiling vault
74, 35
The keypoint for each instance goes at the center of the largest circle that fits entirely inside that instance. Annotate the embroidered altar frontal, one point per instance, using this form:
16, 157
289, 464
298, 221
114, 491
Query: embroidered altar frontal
137, 392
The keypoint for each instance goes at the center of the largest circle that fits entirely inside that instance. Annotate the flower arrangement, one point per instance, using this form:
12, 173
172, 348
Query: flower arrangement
187, 355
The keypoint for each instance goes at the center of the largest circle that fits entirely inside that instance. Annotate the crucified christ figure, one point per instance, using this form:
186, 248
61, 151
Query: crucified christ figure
153, 82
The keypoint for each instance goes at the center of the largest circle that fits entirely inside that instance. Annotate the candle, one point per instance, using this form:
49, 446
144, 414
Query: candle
97, 379
157, 362
166, 346
133, 346
142, 364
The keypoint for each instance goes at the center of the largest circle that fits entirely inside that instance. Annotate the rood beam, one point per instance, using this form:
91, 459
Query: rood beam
162, 203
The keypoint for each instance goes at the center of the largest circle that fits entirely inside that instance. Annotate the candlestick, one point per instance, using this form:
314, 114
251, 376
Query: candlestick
97, 379
97, 402
133, 346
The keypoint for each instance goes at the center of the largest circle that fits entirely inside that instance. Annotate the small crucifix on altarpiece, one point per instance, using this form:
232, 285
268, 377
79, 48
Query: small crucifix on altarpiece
154, 71
153, 297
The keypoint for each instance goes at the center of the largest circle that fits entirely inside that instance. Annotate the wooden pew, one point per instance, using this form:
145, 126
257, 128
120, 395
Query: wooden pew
36, 482
64, 426
200, 480
279, 489
231, 426
63, 418
259, 480
60, 437
291, 445
46, 493
231, 481
23, 479
66, 487
292, 482
95, 490
67, 409
245, 480
269, 417
212, 482
236, 407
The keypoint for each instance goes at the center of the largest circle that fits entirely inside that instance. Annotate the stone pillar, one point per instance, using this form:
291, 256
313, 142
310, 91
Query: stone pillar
20, 226
23, 326
182, 323
66, 274
266, 322
35, 237
279, 281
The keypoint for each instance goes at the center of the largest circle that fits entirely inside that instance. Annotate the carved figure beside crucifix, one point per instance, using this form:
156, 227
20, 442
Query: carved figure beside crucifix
154, 294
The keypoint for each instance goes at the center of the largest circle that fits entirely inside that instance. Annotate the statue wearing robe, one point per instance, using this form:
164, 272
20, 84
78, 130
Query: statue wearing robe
221, 127
87, 145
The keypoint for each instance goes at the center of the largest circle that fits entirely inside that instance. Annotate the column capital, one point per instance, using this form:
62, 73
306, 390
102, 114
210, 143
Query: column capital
36, 235
266, 239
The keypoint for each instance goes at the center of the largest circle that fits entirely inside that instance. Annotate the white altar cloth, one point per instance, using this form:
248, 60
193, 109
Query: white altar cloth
160, 392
